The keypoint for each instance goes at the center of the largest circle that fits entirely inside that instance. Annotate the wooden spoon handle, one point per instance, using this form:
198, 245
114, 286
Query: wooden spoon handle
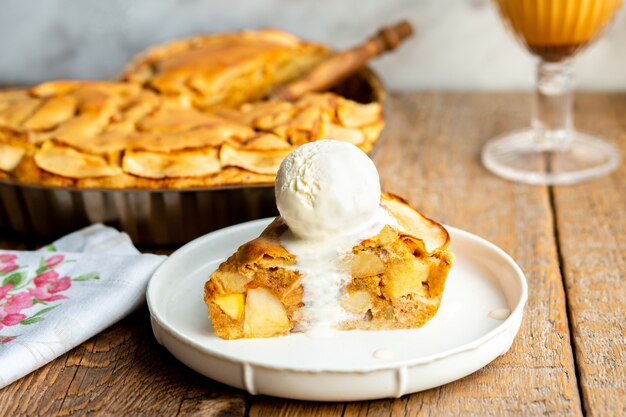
341, 65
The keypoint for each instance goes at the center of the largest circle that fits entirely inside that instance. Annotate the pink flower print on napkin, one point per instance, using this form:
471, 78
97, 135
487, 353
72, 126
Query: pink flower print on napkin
4, 289
48, 284
6, 339
18, 302
10, 311
10, 319
7, 263
20, 293
8, 267
53, 261
7, 257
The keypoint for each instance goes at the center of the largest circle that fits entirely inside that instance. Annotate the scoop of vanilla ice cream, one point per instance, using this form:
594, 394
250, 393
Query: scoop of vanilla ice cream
326, 187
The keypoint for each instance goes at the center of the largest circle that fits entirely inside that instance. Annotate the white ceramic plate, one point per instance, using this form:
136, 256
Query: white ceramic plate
463, 336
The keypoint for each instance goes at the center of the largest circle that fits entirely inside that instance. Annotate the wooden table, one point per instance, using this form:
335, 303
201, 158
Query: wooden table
569, 357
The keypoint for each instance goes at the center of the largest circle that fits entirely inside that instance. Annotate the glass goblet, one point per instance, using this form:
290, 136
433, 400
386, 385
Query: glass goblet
551, 151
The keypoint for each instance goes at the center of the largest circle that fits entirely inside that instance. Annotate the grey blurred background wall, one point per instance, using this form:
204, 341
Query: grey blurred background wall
460, 44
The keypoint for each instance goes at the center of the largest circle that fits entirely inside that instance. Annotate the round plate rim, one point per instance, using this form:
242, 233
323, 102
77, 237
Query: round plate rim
506, 324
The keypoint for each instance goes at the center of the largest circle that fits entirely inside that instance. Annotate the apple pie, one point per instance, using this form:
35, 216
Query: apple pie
186, 114
120, 135
396, 280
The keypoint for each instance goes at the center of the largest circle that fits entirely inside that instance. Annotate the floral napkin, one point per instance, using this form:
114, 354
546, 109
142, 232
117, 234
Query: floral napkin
55, 298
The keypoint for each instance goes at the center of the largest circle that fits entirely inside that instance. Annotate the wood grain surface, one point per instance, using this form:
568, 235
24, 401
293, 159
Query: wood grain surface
431, 157
591, 226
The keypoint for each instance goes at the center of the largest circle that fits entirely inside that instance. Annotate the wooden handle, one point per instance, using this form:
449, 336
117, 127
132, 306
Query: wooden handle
343, 64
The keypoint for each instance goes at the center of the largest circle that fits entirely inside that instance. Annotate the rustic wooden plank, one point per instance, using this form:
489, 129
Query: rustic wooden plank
591, 225
276, 407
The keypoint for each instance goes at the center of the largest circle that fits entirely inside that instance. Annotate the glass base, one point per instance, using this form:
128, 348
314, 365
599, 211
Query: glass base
519, 156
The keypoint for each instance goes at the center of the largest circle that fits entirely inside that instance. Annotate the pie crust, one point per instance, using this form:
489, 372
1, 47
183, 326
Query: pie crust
120, 135
225, 70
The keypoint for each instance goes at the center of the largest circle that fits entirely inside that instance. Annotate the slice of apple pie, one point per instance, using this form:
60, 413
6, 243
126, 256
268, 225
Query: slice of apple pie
396, 280
341, 255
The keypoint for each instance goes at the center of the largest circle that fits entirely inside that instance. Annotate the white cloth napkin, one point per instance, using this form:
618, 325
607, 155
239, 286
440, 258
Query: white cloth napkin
55, 298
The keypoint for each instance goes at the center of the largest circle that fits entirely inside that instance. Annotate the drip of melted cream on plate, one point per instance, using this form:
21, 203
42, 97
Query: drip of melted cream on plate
384, 353
500, 313
325, 276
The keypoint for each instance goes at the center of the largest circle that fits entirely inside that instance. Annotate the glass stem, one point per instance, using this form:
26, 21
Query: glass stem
552, 105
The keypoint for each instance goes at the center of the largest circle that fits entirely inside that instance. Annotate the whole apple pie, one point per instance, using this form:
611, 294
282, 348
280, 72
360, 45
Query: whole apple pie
186, 116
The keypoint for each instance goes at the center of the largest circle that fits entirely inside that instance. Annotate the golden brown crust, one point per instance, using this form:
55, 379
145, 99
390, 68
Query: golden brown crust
224, 70
398, 276
432, 234
118, 137
312, 117
30, 173
226, 177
